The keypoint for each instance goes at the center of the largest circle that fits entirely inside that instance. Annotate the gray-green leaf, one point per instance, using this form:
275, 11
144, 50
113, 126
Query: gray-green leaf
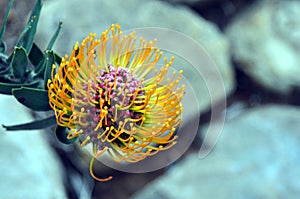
19, 63
6, 88
33, 98
34, 125
62, 135
50, 60
3, 27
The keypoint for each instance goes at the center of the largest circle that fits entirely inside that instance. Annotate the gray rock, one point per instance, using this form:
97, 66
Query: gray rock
29, 168
257, 156
265, 41
81, 18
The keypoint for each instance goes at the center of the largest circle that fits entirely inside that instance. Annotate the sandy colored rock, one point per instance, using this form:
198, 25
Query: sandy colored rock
257, 156
29, 167
265, 42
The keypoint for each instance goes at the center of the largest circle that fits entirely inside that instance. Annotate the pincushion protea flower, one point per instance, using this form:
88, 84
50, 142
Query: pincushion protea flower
109, 93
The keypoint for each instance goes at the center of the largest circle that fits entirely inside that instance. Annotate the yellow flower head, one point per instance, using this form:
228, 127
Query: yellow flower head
110, 93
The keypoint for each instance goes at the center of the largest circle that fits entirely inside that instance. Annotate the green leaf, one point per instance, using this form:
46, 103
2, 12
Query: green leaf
50, 60
3, 27
34, 125
54, 37
39, 69
19, 63
62, 135
44, 68
3, 57
27, 37
57, 59
35, 55
33, 98
8, 60
35, 14
6, 88
21, 42
5, 71
4, 67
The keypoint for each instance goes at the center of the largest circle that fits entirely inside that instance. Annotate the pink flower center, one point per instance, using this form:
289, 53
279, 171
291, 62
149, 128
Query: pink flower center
111, 93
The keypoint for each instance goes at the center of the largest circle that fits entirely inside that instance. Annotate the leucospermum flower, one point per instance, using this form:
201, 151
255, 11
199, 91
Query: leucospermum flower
110, 93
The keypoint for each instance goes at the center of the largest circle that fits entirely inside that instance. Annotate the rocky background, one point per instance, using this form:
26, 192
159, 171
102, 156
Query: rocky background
256, 46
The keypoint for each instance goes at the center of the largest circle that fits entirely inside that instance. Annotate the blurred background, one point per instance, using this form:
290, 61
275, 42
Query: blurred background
256, 47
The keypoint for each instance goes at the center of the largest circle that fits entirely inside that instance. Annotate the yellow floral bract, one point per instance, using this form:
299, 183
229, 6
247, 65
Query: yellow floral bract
156, 100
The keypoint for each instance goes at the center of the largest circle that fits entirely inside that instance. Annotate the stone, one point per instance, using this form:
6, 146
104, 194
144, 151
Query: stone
29, 167
257, 156
265, 44
213, 57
